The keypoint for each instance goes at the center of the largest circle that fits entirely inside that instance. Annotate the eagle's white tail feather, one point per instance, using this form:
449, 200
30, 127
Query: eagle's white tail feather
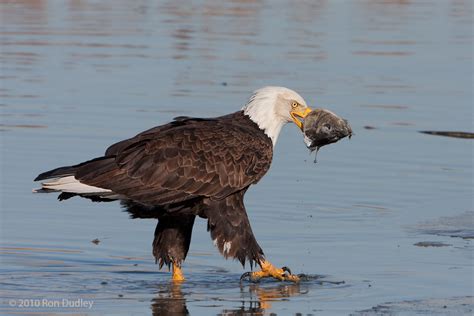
71, 185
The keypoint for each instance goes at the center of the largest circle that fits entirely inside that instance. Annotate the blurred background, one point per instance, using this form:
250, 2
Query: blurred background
77, 76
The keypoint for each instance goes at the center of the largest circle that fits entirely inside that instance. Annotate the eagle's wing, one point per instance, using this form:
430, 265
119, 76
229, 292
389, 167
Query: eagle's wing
190, 158
146, 135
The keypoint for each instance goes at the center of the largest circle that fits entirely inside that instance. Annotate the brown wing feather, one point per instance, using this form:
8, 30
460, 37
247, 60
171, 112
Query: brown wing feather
148, 134
118, 147
230, 229
177, 162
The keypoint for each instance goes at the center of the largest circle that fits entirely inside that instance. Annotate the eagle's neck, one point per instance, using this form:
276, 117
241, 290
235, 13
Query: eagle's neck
266, 119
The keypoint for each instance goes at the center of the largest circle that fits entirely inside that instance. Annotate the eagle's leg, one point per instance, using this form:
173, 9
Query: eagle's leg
230, 229
177, 273
268, 270
172, 240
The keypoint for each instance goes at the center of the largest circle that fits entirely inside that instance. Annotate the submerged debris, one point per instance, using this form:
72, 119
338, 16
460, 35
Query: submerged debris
95, 241
431, 244
322, 127
460, 226
450, 134
463, 305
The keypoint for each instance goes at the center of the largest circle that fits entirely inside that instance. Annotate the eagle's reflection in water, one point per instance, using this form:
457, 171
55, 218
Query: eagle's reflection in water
170, 301
256, 299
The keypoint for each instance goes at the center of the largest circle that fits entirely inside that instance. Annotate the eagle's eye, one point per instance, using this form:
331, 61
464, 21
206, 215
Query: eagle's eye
294, 104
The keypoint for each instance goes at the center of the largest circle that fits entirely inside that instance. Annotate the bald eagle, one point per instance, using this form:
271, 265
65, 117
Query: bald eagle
191, 167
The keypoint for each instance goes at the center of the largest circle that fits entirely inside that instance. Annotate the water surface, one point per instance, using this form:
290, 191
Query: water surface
79, 75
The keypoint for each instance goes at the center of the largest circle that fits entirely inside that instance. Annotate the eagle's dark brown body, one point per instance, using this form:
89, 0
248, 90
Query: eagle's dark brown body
178, 171
192, 167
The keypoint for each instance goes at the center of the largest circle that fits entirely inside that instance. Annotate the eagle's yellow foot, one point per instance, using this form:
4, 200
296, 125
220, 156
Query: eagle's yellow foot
270, 271
177, 273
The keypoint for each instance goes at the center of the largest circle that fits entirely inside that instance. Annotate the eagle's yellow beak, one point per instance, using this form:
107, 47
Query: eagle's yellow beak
299, 113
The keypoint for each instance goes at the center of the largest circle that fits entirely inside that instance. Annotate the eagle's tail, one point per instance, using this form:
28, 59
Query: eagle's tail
63, 180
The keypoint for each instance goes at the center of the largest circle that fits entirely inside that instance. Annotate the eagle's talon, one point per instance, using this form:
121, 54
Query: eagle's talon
250, 277
286, 269
270, 271
245, 275
292, 277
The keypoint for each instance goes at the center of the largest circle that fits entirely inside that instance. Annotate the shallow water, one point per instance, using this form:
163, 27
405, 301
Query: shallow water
78, 76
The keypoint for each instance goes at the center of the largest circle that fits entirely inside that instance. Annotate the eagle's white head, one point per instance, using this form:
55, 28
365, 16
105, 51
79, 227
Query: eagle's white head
272, 107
